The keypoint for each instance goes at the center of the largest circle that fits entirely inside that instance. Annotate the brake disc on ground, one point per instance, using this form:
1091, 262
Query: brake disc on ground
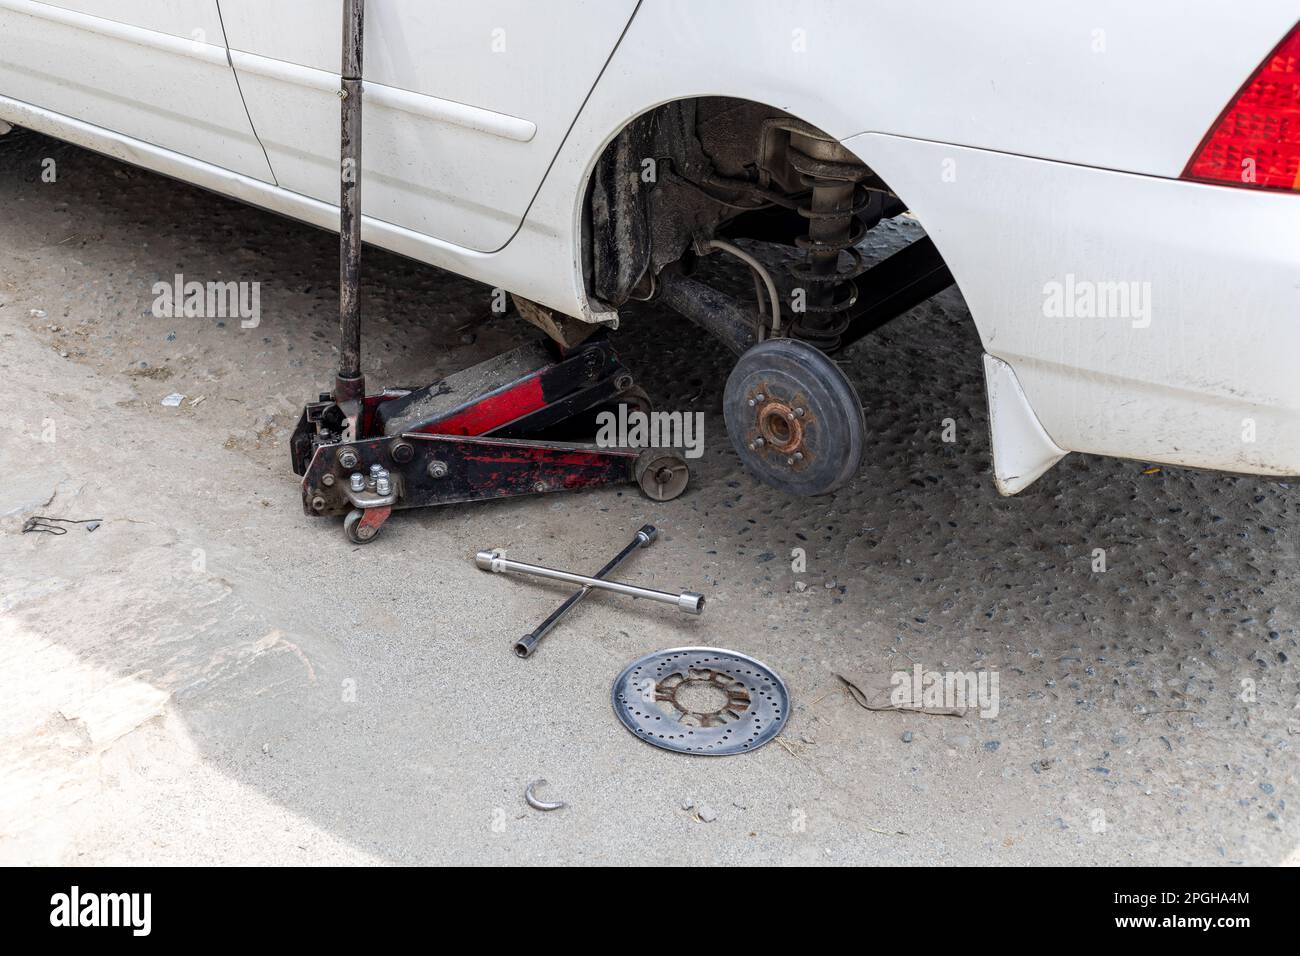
701, 700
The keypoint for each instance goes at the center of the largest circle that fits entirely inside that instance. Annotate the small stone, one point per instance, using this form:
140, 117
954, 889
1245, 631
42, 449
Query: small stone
800, 586
830, 584
907, 737
688, 804
37, 313
992, 745
173, 400
266, 749
1267, 788
706, 813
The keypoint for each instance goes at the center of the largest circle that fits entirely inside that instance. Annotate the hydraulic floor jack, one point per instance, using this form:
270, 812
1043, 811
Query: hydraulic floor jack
478, 434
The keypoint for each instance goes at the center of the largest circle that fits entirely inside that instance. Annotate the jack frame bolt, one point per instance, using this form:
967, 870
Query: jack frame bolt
348, 458
327, 481
756, 444
318, 503
437, 469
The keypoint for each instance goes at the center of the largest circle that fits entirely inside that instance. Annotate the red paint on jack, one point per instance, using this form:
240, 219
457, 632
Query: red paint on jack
494, 411
548, 455
374, 517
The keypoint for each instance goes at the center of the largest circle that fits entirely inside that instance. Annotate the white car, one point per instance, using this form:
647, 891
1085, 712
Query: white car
1114, 186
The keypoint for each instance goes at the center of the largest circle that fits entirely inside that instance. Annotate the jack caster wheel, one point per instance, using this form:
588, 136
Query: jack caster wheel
355, 533
636, 399
794, 418
661, 474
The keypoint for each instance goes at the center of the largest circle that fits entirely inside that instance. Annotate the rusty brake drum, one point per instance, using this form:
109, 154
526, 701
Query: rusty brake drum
794, 418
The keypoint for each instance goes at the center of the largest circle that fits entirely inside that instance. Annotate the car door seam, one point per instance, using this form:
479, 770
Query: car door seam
225, 43
568, 132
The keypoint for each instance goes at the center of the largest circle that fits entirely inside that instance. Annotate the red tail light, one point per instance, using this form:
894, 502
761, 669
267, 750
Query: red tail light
1256, 141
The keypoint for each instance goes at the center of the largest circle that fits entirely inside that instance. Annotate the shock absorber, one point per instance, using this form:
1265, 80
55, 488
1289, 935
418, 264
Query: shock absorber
836, 225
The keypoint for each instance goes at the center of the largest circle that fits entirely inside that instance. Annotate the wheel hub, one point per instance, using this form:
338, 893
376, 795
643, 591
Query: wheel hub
779, 425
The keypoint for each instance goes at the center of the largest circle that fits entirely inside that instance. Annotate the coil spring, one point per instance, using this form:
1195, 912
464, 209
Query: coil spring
835, 225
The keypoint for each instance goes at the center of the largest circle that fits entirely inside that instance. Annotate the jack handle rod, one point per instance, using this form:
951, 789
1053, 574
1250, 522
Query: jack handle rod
350, 385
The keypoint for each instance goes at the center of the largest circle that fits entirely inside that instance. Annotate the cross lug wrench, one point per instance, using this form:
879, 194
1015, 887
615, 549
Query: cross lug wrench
525, 646
687, 601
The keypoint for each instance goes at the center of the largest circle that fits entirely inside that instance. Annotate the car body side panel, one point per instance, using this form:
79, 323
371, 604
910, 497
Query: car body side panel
154, 72
1117, 84
816, 60
1108, 83
466, 103
836, 77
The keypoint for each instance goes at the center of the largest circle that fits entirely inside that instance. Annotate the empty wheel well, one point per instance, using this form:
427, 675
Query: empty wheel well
691, 176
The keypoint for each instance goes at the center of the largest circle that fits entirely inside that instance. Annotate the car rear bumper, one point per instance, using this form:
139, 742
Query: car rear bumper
1144, 317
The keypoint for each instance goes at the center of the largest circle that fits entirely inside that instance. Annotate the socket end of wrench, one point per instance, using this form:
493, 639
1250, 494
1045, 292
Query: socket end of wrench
647, 535
525, 646
487, 560
690, 602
